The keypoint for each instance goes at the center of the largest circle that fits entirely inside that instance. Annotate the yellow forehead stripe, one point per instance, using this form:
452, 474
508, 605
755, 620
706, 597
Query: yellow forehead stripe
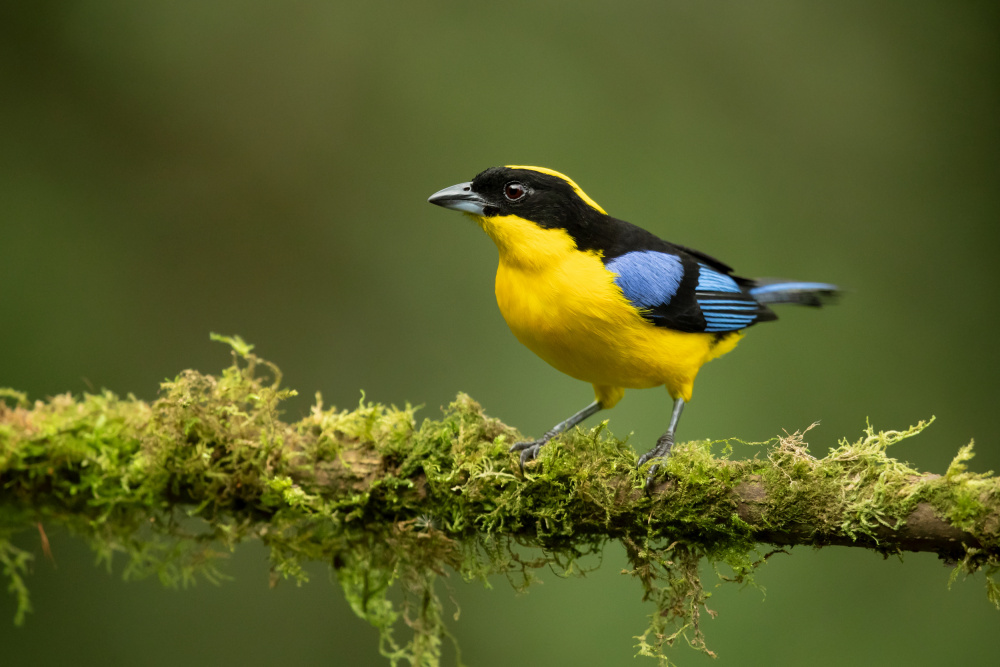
576, 188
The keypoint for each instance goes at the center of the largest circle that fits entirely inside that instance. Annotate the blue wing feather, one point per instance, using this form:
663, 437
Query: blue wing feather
647, 278
724, 304
710, 280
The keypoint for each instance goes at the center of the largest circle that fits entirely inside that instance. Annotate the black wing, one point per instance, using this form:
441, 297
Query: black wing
676, 287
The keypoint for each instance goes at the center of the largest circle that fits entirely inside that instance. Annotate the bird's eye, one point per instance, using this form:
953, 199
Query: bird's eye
514, 191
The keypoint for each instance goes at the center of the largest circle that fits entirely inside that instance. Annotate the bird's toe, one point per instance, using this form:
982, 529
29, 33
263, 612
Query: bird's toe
521, 446
529, 454
529, 450
660, 451
651, 478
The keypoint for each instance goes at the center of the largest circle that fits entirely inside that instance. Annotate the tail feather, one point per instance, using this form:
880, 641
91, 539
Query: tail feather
793, 291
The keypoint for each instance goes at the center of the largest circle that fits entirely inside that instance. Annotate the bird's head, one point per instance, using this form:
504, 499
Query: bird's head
531, 213
543, 196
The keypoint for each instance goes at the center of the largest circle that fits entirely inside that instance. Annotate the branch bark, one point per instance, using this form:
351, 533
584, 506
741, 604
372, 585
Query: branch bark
384, 498
921, 530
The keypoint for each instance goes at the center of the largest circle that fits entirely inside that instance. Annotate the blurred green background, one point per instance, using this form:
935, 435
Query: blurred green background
170, 169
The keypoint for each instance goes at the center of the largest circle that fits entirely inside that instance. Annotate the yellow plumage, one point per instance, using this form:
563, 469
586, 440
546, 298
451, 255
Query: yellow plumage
564, 305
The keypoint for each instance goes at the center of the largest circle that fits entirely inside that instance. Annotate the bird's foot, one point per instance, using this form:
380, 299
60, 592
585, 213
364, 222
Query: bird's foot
529, 450
660, 451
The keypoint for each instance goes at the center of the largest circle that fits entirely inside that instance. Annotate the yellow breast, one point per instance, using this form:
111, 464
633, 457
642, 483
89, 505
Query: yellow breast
565, 306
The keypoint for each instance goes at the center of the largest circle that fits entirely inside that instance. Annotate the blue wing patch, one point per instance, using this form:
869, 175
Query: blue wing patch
723, 304
647, 278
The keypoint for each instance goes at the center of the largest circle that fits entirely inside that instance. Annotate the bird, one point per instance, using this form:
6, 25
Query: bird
608, 302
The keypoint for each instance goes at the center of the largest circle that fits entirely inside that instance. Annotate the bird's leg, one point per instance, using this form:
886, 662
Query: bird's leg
529, 449
663, 445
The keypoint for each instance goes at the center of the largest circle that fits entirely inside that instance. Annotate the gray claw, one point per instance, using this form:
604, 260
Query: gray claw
529, 454
529, 450
660, 451
645, 457
651, 478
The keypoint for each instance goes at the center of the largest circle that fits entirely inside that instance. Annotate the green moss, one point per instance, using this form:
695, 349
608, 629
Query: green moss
14, 563
392, 503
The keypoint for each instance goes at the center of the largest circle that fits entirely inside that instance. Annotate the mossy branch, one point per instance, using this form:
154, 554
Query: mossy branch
384, 499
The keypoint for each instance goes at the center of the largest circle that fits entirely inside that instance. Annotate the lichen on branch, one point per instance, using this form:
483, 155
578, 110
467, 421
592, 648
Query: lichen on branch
388, 501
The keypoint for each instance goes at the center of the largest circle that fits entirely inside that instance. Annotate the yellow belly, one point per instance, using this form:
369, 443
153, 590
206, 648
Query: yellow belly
572, 314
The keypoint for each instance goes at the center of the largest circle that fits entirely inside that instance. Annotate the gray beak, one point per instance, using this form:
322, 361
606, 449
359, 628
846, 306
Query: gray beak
459, 198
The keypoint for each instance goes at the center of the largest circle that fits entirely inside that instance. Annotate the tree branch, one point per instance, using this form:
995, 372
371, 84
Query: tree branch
385, 500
